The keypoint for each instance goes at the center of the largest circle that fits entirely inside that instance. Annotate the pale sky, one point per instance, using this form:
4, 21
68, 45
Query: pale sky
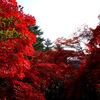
60, 18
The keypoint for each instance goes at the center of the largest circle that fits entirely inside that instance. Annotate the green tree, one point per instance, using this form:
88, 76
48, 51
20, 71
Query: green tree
47, 45
41, 43
38, 46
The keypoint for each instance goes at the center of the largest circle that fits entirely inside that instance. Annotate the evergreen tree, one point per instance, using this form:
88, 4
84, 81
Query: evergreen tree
38, 46
47, 45
41, 43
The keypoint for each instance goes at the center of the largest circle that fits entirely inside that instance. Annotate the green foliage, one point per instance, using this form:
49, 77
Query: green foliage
0, 9
38, 46
48, 45
41, 44
8, 34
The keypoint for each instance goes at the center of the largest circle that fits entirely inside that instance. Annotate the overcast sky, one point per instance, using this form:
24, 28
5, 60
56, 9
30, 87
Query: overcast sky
60, 18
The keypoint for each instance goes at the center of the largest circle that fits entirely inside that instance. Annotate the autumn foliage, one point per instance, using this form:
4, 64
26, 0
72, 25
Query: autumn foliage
15, 42
47, 73
86, 83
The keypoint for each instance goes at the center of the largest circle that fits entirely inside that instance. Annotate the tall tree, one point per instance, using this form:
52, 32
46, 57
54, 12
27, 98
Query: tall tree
86, 83
15, 42
38, 46
41, 44
47, 45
